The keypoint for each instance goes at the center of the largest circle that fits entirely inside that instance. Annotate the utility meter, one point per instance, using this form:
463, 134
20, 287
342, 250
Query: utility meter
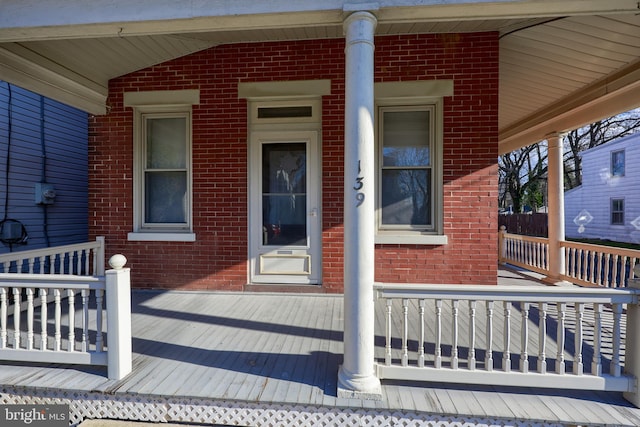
45, 193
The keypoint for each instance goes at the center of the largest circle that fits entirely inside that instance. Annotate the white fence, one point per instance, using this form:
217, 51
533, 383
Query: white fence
50, 316
584, 264
554, 337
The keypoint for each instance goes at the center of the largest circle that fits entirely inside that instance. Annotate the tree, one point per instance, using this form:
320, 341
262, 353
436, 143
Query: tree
523, 172
592, 135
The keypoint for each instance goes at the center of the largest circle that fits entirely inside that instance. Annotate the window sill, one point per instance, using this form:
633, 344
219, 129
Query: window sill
161, 237
411, 239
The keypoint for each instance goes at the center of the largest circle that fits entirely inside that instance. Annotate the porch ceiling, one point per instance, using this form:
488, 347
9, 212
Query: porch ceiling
562, 63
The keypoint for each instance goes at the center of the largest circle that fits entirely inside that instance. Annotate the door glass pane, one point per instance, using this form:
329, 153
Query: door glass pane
284, 194
166, 143
406, 198
406, 138
165, 197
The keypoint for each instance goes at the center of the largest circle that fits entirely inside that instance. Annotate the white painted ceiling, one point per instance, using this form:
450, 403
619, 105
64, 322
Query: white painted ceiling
551, 67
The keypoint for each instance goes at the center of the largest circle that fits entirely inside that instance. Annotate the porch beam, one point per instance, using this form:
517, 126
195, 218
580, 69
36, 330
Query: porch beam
27, 69
356, 378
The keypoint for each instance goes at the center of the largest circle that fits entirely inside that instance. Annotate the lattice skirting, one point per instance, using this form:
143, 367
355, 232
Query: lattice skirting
92, 405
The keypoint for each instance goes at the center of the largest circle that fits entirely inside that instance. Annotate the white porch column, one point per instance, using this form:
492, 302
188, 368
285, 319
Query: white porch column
356, 378
555, 217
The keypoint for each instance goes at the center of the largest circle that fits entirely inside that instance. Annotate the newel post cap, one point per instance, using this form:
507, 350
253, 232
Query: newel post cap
117, 261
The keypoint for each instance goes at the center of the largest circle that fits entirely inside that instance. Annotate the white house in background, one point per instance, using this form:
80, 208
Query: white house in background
607, 204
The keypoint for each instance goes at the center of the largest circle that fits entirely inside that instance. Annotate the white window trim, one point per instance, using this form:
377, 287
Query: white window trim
170, 104
435, 235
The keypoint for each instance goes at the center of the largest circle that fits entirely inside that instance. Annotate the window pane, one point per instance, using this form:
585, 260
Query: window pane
284, 194
617, 211
406, 198
406, 138
166, 143
284, 220
284, 168
617, 163
165, 197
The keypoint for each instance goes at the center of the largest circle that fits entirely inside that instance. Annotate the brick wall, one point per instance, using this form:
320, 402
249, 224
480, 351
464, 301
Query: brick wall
218, 259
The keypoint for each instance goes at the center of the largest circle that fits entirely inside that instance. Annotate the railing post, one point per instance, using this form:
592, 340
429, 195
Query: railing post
99, 258
632, 351
502, 255
118, 288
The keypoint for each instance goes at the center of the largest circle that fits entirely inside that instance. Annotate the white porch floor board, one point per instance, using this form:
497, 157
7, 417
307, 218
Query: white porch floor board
286, 348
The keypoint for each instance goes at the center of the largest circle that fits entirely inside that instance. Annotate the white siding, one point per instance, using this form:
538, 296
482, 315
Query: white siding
43, 126
599, 188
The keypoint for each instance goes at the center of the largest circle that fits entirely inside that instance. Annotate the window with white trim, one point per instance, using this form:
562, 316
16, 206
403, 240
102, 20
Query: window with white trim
617, 211
409, 193
162, 179
162, 198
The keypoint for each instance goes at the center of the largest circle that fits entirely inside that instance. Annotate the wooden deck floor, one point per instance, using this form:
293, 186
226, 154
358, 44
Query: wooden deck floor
286, 348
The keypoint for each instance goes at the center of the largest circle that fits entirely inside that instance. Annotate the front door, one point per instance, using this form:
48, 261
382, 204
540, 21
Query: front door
284, 208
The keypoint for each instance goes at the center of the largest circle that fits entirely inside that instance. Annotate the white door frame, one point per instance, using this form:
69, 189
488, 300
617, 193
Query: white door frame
298, 264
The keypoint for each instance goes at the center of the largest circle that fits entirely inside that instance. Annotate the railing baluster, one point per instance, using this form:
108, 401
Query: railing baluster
488, 360
562, 315
16, 317
79, 255
472, 335
542, 338
524, 355
85, 319
421, 343
43, 319
100, 338
614, 271
616, 369
607, 260
506, 357
31, 263
454, 331
387, 346
578, 364
405, 332
3, 317
58, 334
29, 344
596, 363
438, 355
72, 319
623, 270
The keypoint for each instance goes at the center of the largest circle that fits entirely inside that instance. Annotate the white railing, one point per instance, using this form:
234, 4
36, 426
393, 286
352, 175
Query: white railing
596, 265
60, 318
81, 259
556, 337
527, 252
585, 264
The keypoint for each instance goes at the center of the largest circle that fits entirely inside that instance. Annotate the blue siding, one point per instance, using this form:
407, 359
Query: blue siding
39, 123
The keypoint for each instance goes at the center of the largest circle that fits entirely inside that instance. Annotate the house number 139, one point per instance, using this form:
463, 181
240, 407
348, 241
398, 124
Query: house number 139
358, 187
